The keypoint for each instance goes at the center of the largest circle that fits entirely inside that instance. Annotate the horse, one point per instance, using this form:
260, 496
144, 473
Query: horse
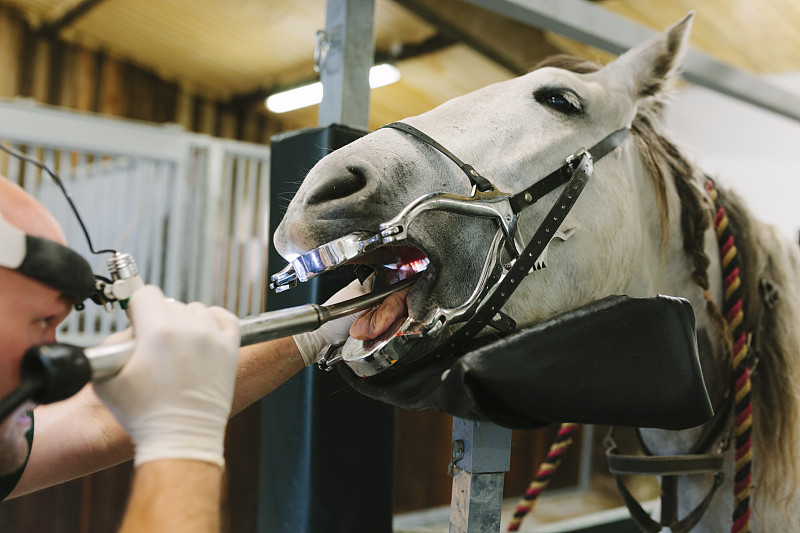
643, 225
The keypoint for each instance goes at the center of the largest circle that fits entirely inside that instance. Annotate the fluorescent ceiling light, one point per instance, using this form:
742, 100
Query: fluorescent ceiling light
379, 75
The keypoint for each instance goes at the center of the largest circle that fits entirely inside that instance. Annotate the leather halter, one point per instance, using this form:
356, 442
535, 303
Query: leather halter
575, 173
705, 457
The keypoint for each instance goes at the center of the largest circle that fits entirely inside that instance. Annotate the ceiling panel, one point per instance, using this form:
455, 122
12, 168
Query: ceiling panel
238, 47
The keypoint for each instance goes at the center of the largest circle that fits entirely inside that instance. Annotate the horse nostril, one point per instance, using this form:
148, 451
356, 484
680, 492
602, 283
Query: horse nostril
350, 181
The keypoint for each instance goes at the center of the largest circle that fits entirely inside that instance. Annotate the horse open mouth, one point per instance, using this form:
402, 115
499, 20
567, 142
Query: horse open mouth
390, 264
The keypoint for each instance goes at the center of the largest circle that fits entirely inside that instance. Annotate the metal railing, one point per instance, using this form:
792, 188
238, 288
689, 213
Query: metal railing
192, 209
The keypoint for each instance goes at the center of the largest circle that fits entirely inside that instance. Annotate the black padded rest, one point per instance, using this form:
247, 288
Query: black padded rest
617, 361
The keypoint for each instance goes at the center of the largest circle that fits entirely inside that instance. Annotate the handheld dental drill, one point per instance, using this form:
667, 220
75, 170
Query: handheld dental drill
54, 372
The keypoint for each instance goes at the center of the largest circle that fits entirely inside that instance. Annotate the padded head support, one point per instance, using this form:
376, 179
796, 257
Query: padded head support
617, 361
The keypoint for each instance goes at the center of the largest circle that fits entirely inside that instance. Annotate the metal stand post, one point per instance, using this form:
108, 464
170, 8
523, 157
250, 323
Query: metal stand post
481, 456
327, 456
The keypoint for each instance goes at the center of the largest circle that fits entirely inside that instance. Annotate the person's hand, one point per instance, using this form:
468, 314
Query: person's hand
173, 397
312, 343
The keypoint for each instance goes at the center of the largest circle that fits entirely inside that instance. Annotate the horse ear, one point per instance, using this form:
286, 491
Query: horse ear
649, 66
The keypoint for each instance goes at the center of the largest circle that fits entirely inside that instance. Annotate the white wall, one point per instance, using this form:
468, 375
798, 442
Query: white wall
756, 152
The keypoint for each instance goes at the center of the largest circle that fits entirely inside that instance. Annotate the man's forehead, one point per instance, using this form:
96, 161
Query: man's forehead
28, 214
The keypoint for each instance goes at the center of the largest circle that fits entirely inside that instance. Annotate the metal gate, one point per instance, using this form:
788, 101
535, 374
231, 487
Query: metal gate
192, 209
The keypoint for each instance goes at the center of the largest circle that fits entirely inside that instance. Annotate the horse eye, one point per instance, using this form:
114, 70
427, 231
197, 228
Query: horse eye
563, 102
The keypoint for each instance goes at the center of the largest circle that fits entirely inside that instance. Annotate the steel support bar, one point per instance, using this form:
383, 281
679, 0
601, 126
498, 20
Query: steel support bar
481, 456
596, 26
344, 62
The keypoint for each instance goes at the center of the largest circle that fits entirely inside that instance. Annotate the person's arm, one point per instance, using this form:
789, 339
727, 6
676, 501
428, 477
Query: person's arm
263, 368
175, 496
266, 366
60, 453
173, 398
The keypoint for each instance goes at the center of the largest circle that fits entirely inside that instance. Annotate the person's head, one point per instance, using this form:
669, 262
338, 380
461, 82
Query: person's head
29, 314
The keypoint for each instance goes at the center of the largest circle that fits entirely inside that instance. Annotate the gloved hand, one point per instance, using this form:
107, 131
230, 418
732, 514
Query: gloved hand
174, 395
336, 331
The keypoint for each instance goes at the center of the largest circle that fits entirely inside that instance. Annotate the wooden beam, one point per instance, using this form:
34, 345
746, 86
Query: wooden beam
69, 18
113, 100
85, 74
40, 82
511, 44
184, 107
10, 48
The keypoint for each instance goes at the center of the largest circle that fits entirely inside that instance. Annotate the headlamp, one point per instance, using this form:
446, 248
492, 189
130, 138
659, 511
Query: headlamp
46, 261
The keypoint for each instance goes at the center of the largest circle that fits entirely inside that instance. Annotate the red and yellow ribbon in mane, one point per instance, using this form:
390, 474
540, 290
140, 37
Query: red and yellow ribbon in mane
734, 315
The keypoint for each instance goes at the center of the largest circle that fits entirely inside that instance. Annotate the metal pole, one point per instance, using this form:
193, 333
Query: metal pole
346, 50
481, 456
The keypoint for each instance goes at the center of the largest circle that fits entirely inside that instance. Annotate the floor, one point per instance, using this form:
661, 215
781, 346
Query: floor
557, 511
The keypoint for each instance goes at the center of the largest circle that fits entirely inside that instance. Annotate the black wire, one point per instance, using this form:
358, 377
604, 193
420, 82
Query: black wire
60, 184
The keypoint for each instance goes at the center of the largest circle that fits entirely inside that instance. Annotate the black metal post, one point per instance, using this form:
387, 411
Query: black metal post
327, 453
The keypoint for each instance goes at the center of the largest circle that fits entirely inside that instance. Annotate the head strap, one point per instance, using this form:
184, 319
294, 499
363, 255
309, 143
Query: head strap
473, 175
46, 261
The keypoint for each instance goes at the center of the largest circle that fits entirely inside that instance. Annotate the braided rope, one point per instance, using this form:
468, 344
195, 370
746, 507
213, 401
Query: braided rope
734, 315
545, 473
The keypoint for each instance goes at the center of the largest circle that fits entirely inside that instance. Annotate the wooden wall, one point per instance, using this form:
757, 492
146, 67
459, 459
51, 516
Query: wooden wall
54, 72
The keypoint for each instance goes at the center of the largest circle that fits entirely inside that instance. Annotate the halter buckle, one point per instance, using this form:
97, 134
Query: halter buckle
575, 159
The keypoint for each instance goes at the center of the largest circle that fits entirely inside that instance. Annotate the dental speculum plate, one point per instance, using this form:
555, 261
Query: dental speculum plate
324, 258
370, 357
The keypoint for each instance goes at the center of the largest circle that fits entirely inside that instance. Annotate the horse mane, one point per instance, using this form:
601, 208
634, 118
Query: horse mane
762, 256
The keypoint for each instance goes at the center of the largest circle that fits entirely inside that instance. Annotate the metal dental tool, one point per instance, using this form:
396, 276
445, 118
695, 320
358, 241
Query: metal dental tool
53, 372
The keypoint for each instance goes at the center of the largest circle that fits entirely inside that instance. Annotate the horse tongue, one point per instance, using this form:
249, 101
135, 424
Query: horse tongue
377, 320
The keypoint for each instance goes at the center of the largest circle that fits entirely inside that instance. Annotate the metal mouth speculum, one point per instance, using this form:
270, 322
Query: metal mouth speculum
375, 356
492, 204
489, 204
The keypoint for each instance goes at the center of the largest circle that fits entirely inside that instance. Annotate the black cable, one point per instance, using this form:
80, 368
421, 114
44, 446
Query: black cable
57, 180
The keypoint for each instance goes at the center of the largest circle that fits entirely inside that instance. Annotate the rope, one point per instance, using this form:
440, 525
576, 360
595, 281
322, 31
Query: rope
734, 315
545, 473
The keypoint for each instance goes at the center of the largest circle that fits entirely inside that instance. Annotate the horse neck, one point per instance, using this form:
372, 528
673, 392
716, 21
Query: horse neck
672, 276
679, 283
676, 267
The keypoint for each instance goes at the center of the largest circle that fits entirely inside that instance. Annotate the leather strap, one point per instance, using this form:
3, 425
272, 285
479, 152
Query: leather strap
575, 172
670, 467
663, 465
669, 507
561, 175
579, 171
495, 301
474, 177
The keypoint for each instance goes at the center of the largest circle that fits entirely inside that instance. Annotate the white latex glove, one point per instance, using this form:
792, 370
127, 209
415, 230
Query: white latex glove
174, 395
336, 331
